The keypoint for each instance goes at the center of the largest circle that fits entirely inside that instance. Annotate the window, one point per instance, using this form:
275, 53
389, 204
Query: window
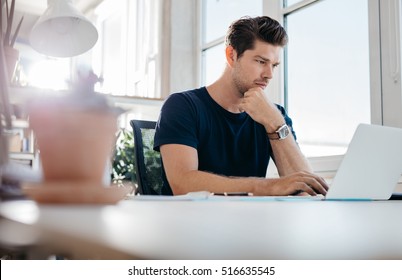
129, 47
214, 63
327, 74
288, 3
39, 71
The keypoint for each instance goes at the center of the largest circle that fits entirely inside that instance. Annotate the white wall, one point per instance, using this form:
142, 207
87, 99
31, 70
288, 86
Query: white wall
183, 45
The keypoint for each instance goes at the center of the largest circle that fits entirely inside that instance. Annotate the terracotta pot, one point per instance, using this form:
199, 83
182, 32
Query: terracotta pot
74, 144
12, 56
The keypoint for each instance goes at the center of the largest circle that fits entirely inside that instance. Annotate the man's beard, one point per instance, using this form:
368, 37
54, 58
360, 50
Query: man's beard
239, 83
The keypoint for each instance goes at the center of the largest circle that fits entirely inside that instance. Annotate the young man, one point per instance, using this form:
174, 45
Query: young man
220, 138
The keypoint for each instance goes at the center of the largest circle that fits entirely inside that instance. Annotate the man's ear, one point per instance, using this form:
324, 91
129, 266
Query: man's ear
230, 55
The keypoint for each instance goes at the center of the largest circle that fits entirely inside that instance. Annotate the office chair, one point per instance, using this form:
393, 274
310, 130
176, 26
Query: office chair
148, 163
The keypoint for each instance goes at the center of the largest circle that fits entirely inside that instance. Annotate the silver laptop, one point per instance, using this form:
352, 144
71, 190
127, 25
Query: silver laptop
372, 165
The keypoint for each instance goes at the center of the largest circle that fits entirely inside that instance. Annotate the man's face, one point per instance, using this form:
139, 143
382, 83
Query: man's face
255, 67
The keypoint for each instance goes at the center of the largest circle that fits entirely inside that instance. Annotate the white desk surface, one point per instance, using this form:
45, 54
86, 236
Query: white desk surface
215, 229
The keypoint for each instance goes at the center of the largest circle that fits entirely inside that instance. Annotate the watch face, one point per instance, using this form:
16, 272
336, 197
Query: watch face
283, 132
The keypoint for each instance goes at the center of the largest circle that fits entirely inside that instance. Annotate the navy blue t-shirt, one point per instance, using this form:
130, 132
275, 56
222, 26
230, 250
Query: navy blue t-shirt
230, 144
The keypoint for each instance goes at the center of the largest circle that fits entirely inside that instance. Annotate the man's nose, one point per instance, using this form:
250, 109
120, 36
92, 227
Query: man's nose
268, 72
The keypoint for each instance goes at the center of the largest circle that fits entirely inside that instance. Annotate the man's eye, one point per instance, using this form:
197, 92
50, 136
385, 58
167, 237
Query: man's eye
260, 61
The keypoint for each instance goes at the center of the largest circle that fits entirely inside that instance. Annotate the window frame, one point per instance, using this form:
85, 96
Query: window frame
374, 51
380, 59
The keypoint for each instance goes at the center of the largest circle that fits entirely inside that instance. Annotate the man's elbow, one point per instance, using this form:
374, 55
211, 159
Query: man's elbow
177, 188
179, 185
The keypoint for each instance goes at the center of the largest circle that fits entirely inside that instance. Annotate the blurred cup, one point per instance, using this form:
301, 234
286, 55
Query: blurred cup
75, 139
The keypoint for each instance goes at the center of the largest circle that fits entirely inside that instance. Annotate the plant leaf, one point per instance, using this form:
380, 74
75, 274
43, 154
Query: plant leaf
1, 21
10, 16
16, 32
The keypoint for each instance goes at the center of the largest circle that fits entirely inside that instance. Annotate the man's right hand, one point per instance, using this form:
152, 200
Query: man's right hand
261, 110
300, 182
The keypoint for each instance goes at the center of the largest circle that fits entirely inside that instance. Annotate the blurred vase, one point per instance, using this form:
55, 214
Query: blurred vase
74, 143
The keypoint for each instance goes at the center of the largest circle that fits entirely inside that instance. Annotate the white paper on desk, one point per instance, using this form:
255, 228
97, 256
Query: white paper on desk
205, 195
191, 196
265, 198
290, 198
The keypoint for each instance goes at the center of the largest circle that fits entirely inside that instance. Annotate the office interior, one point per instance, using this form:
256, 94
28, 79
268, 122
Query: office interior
341, 67
147, 50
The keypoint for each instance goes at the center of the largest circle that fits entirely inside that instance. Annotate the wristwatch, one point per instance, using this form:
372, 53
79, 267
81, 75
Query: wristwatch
281, 133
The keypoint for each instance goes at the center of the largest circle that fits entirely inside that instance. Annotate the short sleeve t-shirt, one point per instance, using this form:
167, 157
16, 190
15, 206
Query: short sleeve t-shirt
229, 144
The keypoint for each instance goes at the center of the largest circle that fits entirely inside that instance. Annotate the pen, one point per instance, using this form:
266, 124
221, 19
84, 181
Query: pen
234, 194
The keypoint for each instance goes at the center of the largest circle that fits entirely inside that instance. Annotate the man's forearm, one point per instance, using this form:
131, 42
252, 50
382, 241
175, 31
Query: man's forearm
196, 180
288, 157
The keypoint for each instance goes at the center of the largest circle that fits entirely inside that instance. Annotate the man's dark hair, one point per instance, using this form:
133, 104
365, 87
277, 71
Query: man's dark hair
243, 32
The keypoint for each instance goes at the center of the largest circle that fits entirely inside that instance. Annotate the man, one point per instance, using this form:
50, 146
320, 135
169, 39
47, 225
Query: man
220, 138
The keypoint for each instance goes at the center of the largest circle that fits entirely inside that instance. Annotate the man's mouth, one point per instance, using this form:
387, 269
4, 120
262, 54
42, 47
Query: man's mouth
262, 84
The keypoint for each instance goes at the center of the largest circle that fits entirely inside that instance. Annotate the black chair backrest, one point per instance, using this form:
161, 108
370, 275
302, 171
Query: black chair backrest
147, 161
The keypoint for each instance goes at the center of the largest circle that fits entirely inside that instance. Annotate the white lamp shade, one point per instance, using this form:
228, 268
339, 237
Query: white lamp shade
62, 31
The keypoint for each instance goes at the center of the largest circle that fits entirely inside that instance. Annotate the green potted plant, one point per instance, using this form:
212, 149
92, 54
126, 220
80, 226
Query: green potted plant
123, 163
8, 39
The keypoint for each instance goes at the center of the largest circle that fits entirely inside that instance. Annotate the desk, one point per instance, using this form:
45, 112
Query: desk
216, 229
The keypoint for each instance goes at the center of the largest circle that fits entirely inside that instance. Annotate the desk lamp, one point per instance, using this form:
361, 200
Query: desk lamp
62, 31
